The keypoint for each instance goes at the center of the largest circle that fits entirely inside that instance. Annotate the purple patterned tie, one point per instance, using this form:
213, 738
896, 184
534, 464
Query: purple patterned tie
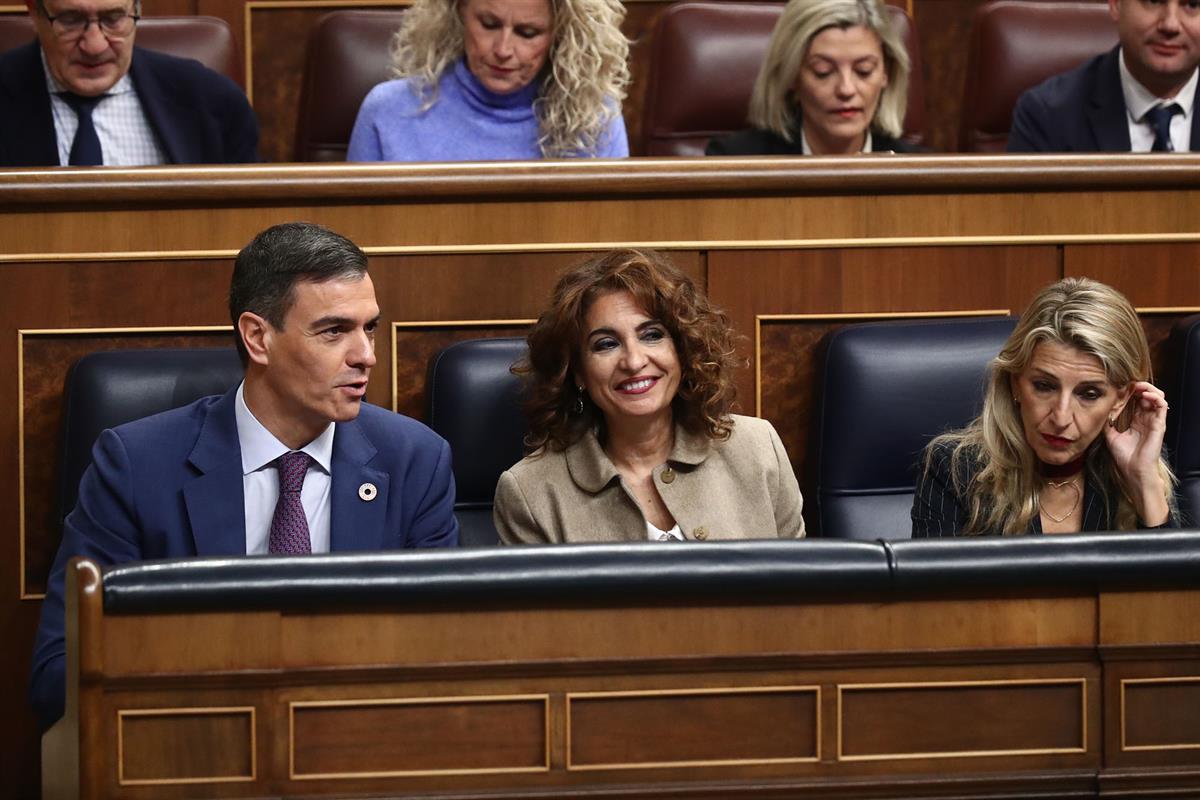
289, 527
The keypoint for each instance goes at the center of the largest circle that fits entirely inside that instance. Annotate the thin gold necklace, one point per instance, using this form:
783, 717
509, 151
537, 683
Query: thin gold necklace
1061, 485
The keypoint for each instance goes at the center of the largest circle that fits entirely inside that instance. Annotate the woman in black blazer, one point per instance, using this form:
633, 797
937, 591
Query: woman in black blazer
834, 82
1071, 434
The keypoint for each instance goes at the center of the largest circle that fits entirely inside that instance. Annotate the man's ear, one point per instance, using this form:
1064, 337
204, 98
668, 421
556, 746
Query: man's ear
256, 335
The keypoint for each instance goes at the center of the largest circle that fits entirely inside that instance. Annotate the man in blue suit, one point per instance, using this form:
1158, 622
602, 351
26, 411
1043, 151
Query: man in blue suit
1139, 97
83, 95
291, 461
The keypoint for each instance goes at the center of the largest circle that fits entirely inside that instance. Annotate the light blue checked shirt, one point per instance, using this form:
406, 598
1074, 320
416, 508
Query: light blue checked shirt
126, 138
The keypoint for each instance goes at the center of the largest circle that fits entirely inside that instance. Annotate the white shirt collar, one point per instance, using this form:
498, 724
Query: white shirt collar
122, 86
260, 447
808, 150
1139, 99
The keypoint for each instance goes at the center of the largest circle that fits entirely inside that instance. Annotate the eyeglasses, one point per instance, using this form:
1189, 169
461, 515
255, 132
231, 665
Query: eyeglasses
116, 23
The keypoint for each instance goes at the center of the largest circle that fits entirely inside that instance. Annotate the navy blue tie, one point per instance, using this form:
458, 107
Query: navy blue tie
1159, 118
85, 150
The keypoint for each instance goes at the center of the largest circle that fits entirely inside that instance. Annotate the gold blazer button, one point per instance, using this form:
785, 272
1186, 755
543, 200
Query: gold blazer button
700, 534
668, 475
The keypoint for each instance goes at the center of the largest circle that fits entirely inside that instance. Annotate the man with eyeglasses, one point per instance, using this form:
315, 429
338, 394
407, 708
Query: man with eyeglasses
84, 95
1138, 97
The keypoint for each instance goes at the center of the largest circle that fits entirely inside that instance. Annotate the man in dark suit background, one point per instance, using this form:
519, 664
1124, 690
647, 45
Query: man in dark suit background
1138, 97
291, 461
83, 95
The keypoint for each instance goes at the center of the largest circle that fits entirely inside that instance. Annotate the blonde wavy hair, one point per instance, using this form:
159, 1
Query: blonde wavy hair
772, 106
1076, 312
582, 86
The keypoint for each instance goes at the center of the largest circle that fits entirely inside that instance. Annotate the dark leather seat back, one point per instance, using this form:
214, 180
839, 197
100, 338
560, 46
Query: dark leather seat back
112, 387
206, 39
1182, 386
706, 56
348, 53
475, 404
885, 390
1014, 46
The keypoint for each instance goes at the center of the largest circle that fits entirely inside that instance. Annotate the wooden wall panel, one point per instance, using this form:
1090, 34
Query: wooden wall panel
693, 728
164, 747
422, 736
963, 720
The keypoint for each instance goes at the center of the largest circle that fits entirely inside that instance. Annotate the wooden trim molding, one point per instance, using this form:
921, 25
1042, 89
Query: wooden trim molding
600, 178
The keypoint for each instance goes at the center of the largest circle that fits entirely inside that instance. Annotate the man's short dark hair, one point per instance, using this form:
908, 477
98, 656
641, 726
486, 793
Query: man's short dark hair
269, 267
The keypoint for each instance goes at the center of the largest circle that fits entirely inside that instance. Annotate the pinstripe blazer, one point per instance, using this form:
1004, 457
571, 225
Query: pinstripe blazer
938, 510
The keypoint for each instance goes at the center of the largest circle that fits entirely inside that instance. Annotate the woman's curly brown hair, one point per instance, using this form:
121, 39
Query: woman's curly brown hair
700, 331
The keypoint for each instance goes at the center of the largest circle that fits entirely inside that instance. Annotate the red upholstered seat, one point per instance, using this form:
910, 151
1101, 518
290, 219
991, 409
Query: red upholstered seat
1016, 45
206, 39
348, 53
706, 56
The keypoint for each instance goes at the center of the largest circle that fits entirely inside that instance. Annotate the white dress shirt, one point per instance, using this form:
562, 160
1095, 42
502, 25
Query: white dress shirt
126, 138
866, 148
260, 480
1139, 100
656, 534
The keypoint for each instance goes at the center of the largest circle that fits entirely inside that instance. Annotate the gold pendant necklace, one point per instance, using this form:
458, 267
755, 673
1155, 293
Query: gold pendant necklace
1074, 504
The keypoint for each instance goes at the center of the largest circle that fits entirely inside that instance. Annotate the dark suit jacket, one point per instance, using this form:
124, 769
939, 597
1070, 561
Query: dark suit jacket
199, 116
757, 142
1081, 111
170, 486
939, 511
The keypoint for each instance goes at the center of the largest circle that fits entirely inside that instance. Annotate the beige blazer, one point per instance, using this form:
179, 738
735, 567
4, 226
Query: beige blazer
741, 488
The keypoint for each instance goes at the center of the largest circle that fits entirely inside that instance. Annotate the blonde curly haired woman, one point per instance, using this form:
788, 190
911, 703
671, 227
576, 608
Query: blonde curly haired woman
484, 80
1071, 434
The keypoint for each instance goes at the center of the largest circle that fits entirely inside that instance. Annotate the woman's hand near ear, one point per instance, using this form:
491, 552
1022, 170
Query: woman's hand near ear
1136, 451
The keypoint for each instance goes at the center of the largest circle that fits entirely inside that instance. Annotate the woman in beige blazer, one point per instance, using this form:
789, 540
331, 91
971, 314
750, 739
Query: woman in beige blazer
630, 383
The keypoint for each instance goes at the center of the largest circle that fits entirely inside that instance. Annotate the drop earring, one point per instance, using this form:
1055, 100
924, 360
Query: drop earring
577, 409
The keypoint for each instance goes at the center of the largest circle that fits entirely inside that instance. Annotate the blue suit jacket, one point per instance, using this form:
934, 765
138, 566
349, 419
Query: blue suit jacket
1081, 111
199, 116
170, 486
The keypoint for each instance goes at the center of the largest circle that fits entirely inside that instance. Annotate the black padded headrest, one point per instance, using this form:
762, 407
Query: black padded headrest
112, 387
475, 405
886, 390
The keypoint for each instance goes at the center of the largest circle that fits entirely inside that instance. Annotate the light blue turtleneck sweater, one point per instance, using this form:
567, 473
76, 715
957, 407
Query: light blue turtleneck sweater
467, 123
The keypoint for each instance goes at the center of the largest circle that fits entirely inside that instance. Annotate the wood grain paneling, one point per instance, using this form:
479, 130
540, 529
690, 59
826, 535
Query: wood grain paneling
350, 739
1132, 619
697, 728
172, 746
1146, 273
952, 720
1161, 713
